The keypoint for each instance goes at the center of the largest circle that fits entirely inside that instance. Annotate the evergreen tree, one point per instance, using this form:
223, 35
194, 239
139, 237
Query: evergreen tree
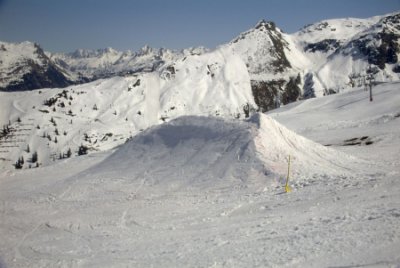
34, 157
18, 164
246, 110
82, 150
69, 153
6, 130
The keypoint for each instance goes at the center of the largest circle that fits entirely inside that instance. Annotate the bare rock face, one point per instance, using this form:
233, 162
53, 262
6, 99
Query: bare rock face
271, 94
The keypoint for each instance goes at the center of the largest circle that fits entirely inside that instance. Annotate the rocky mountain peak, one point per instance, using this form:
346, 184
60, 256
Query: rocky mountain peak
263, 24
89, 53
390, 22
25, 66
146, 50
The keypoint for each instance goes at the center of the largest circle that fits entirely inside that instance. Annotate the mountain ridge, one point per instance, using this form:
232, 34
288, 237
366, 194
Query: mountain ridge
274, 58
320, 59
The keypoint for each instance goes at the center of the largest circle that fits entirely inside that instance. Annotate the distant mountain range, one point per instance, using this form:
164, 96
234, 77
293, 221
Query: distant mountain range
320, 59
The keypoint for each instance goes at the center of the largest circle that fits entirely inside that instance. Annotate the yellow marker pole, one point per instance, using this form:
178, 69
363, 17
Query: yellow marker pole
287, 187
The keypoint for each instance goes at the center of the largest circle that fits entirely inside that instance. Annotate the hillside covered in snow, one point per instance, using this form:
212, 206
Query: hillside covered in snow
203, 191
163, 158
105, 113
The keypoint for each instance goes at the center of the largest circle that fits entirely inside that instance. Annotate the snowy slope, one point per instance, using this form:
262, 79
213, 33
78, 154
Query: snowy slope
104, 113
339, 29
342, 48
208, 192
350, 119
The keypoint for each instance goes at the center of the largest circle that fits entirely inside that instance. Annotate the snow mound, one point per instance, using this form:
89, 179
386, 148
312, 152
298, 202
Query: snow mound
275, 143
213, 153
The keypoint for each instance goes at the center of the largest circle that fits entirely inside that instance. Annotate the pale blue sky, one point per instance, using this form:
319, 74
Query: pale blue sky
65, 25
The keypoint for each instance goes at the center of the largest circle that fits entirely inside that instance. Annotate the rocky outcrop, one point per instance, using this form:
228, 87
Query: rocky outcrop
325, 46
272, 94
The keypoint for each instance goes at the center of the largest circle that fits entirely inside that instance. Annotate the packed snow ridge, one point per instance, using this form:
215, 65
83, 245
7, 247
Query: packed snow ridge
215, 153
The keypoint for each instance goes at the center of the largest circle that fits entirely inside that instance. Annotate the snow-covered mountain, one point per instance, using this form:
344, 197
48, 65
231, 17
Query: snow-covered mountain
102, 63
25, 66
340, 52
320, 59
268, 53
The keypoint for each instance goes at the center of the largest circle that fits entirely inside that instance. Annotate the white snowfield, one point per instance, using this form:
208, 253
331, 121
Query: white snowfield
201, 191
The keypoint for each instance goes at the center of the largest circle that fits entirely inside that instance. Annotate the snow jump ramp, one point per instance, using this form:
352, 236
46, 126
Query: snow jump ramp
215, 153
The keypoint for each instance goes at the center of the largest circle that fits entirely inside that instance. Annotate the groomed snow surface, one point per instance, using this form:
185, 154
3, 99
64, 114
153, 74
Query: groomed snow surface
209, 192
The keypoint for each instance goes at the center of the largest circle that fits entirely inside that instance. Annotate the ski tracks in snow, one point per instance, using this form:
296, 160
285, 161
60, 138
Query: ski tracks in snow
17, 248
18, 107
